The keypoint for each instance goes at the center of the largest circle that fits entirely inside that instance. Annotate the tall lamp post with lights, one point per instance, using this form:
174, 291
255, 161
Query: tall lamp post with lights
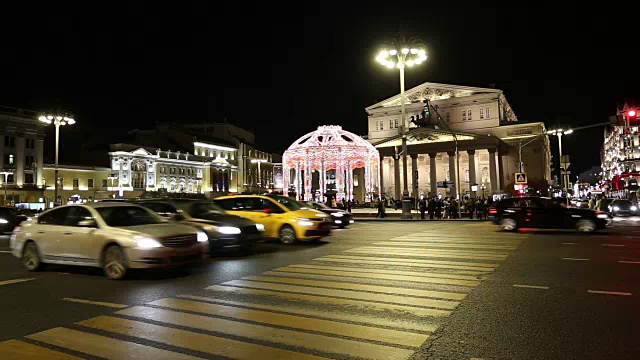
398, 55
57, 118
563, 177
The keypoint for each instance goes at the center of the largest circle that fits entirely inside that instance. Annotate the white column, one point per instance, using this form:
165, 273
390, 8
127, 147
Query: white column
339, 181
433, 175
414, 171
298, 181
307, 180
472, 171
493, 171
396, 176
39, 161
452, 171
19, 161
380, 176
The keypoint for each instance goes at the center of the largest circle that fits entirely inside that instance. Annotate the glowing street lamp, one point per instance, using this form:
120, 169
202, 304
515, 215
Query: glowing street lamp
401, 54
57, 118
559, 133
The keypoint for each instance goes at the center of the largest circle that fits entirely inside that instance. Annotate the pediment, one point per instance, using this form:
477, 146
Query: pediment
141, 152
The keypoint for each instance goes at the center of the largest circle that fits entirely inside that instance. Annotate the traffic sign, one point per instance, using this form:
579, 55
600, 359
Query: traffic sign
521, 178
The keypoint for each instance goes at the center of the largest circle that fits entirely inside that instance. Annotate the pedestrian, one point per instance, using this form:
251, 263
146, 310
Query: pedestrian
393, 203
380, 208
592, 203
423, 208
598, 205
471, 208
432, 208
349, 206
439, 204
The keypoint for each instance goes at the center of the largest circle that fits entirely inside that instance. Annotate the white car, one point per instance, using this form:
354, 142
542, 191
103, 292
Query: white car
113, 236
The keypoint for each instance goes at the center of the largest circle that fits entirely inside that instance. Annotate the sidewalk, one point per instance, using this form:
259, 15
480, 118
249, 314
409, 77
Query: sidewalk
369, 214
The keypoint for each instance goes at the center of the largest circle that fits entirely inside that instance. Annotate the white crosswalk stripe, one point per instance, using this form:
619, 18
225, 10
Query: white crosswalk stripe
379, 301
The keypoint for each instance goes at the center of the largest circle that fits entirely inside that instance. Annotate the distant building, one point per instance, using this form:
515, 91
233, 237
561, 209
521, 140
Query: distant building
489, 139
591, 176
620, 156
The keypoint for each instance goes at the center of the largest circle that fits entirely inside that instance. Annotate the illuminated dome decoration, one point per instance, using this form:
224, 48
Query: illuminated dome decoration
333, 153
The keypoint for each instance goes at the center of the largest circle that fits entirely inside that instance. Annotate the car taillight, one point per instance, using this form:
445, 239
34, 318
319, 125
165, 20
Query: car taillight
493, 211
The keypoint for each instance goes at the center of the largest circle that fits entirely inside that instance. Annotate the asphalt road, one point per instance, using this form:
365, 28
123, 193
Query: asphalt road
385, 290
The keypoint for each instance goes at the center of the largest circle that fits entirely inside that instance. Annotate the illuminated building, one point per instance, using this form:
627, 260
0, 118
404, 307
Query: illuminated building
620, 155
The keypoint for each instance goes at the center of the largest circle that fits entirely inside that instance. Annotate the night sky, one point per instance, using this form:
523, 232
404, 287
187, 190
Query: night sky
283, 70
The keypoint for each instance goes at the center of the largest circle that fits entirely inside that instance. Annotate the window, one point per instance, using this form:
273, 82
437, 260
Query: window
10, 179
391, 124
90, 183
30, 143
396, 123
481, 113
464, 115
380, 125
161, 208
9, 161
123, 216
466, 175
181, 171
486, 112
28, 178
172, 170
75, 183
9, 141
77, 214
469, 115
29, 160
448, 116
55, 216
105, 183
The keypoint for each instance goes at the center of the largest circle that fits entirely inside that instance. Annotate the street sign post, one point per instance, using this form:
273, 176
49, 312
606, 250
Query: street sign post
521, 178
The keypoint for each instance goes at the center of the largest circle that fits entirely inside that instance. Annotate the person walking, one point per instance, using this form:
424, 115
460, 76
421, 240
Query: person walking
423, 207
471, 208
380, 209
432, 208
592, 203
598, 205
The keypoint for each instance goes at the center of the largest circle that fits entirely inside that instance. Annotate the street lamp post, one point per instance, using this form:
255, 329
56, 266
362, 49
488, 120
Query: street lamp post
408, 53
563, 176
58, 119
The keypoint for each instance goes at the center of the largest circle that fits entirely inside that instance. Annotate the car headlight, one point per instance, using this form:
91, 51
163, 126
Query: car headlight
3, 221
602, 216
634, 208
338, 214
202, 237
260, 227
304, 222
143, 242
229, 230
615, 208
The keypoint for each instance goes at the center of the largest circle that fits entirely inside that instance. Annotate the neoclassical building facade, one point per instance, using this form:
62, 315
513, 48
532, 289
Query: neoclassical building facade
472, 139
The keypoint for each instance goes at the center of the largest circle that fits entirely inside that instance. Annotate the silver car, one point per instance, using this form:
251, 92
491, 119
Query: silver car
113, 236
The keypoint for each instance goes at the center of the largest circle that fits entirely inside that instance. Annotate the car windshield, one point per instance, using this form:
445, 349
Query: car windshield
290, 203
320, 206
123, 216
203, 210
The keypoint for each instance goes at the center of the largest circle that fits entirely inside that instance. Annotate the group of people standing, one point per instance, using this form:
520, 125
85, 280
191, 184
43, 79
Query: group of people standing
446, 208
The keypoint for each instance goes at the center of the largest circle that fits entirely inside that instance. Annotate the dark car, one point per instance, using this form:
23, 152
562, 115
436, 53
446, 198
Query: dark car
534, 212
9, 219
622, 207
225, 231
339, 218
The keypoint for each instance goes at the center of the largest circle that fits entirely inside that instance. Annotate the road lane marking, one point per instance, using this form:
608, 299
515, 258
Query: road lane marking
100, 303
433, 255
613, 245
370, 275
209, 344
441, 245
609, 292
331, 315
463, 264
15, 281
324, 326
360, 287
575, 259
455, 269
531, 286
444, 251
417, 311
381, 271
6, 252
102, 346
20, 350
266, 333
348, 294
629, 262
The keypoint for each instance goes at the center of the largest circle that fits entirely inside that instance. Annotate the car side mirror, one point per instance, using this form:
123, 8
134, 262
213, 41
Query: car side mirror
177, 217
90, 223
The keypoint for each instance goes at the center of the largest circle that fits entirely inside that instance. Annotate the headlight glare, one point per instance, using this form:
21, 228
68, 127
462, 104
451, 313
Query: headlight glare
3, 221
634, 208
304, 222
202, 237
260, 227
615, 208
229, 230
143, 242
338, 214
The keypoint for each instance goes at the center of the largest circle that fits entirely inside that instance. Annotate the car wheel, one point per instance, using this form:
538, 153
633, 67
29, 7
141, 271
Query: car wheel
287, 235
508, 224
114, 263
586, 226
31, 257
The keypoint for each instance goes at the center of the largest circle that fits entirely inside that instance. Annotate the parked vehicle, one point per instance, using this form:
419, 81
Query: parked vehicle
340, 218
533, 212
619, 207
225, 231
283, 218
115, 237
9, 219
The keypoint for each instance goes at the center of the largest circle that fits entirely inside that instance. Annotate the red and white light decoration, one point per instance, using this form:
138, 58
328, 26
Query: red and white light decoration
331, 148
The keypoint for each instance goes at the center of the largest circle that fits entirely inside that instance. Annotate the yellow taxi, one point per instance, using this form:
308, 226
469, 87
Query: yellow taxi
283, 218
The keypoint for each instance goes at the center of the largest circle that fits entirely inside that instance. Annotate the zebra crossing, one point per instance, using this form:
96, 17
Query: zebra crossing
378, 301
